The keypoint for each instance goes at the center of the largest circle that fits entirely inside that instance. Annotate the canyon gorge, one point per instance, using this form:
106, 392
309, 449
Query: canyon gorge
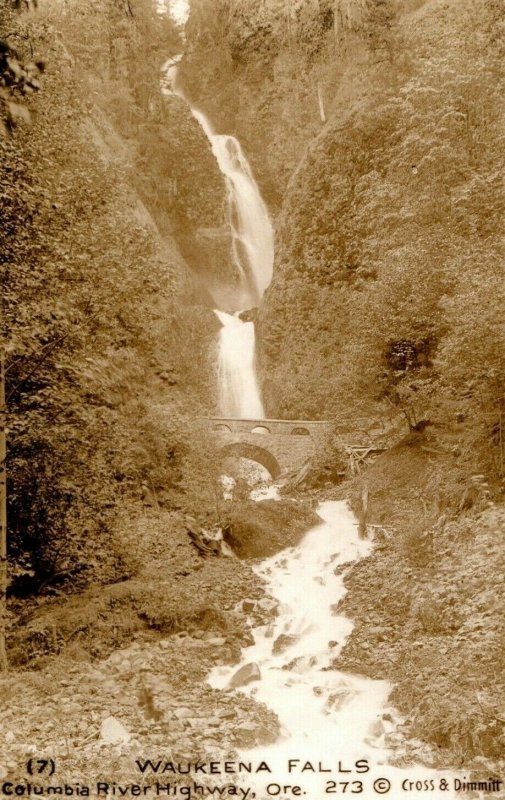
254, 209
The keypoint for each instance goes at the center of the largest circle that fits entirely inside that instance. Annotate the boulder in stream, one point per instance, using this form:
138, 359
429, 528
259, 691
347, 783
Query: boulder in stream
268, 604
249, 315
246, 674
282, 643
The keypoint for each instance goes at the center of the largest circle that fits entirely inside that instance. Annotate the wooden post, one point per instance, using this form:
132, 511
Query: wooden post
3, 517
501, 442
364, 499
321, 103
363, 516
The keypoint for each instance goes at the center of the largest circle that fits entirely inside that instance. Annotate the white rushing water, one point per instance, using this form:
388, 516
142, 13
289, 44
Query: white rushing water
177, 9
253, 256
328, 718
237, 385
250, 225
248, 217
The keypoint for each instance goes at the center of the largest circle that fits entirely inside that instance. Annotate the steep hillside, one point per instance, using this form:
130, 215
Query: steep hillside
428, 603
389, 241
109, 357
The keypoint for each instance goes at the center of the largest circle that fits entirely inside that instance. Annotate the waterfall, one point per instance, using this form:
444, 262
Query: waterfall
253, 256
238, 388
250, 225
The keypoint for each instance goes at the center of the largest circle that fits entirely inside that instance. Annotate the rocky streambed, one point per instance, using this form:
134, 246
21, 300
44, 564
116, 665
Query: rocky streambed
149, 699
94, 707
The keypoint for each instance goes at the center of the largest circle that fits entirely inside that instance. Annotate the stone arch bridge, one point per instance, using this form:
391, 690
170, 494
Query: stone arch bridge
279, 445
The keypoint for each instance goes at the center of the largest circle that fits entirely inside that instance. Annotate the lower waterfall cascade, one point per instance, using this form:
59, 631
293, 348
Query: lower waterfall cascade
239, 394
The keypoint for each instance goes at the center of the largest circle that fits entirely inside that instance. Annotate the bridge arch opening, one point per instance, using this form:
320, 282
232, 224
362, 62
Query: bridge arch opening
300, 431
259, 454
220, 427
260, 429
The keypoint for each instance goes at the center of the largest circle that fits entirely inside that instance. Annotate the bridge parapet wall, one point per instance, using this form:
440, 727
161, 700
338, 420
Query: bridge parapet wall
280, 445
284, 427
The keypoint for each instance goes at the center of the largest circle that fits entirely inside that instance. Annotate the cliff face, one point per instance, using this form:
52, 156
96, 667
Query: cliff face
272, 73
119, 58
185, 192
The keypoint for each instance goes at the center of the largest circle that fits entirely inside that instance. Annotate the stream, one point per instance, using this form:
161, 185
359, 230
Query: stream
333, 724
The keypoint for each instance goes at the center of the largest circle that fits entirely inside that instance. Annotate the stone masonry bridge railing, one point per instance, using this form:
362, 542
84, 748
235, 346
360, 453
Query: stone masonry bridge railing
280, 445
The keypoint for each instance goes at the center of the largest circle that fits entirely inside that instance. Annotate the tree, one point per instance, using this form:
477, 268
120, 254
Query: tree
18, 79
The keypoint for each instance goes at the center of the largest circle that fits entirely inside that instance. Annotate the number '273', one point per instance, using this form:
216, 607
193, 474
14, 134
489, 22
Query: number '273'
341, 787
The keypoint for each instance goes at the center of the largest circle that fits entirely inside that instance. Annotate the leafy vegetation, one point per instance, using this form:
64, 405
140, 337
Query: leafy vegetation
106, 367
390, 247
18, 79
438, 627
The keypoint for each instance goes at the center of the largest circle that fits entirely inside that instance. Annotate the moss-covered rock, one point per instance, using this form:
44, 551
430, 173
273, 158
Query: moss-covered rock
261, 529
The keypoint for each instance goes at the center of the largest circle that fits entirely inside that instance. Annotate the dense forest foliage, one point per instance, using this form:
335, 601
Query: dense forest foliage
107, 359
393, 220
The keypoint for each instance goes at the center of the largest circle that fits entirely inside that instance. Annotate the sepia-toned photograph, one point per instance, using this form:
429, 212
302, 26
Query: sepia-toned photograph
252, 399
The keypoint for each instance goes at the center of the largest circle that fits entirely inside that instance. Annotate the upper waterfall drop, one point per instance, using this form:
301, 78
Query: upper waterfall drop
248, 217
250, 225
